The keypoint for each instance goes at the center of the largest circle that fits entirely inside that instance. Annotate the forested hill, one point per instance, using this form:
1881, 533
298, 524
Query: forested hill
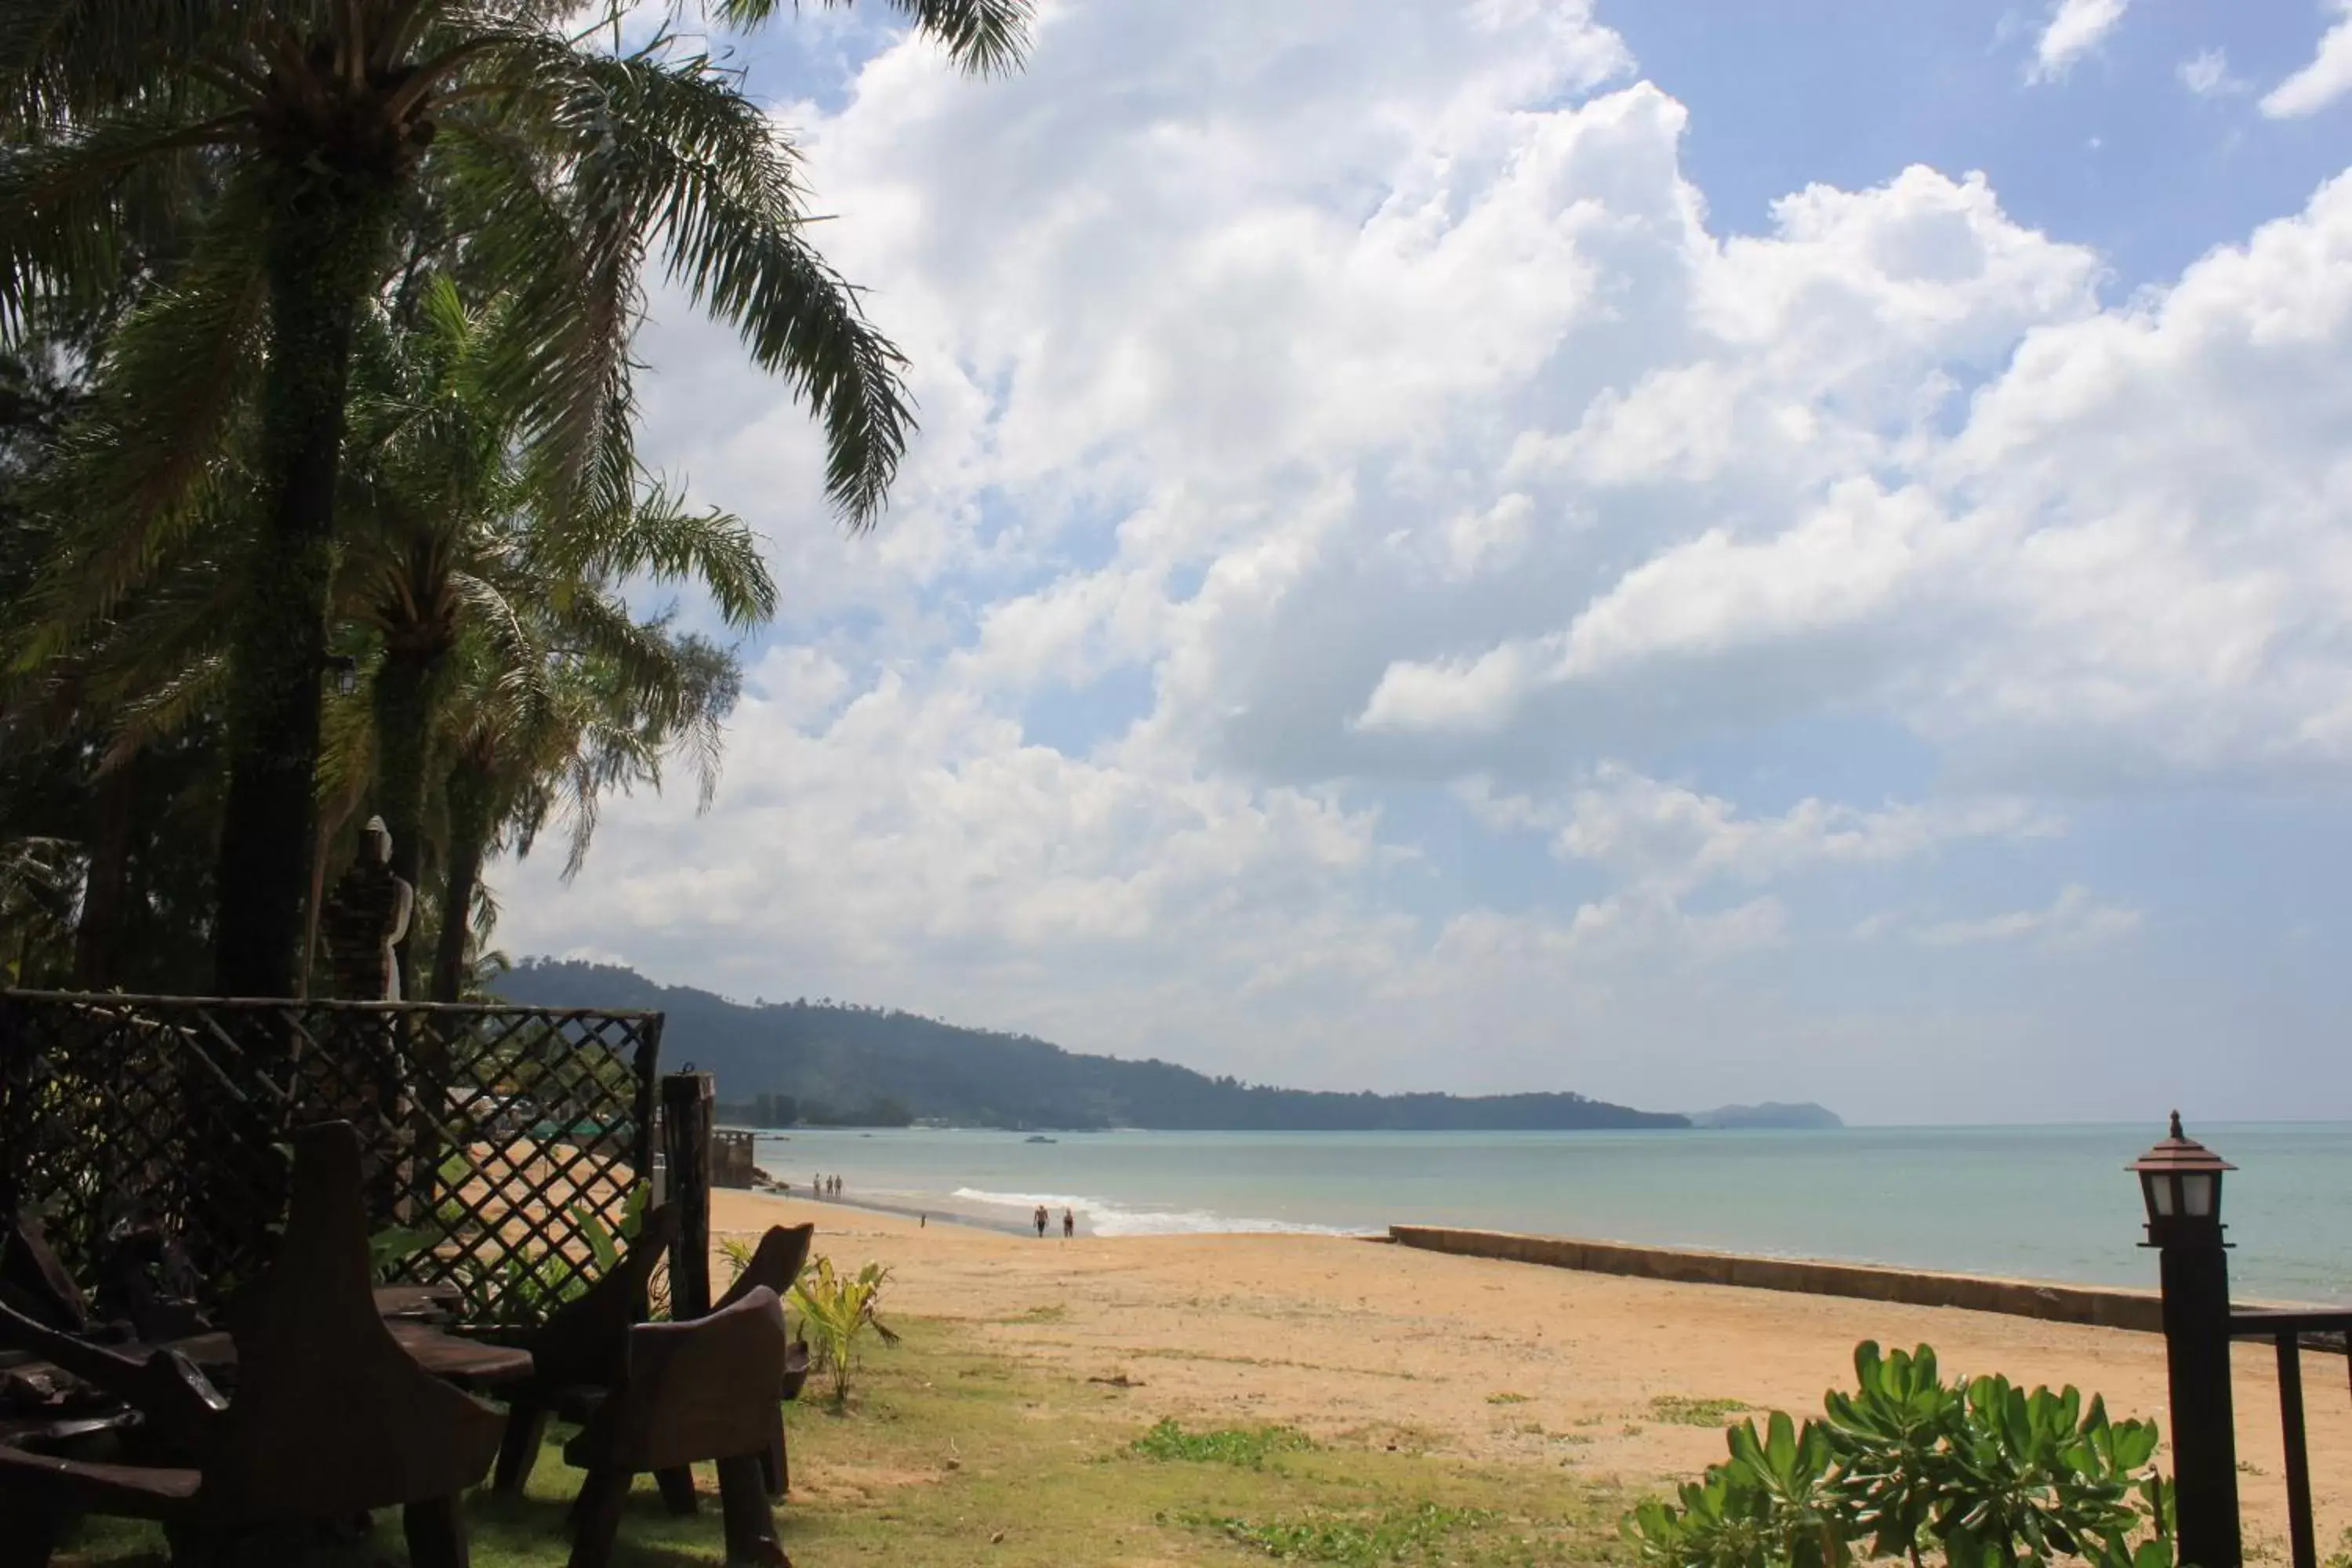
845, 1063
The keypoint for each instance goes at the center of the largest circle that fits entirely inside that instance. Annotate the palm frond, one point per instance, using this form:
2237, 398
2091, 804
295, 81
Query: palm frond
670, 148
986, 37
659, 536
60, 200
168, 709
82, 58
148, 469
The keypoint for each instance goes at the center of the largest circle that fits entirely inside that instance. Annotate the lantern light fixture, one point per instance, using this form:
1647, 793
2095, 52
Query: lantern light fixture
2180, 1182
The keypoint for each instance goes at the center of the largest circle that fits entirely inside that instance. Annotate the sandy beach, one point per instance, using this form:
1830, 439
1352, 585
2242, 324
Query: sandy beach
1495, 1360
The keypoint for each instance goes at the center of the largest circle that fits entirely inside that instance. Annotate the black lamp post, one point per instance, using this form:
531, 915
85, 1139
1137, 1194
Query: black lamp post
2180, 1180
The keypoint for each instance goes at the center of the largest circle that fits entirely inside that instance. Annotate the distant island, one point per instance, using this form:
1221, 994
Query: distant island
826, 1063
1770, 1116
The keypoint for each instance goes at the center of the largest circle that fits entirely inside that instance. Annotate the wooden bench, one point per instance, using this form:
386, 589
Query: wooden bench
332, 1418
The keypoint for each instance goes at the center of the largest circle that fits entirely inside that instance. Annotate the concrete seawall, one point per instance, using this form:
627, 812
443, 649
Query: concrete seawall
2100, 1307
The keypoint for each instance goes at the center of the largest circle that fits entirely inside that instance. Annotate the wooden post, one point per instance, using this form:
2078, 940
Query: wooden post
2302, 1538
685, 1140
2196, 1278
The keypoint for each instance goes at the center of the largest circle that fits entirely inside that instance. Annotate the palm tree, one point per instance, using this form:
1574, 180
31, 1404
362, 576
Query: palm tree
534, 741
315, 123
446, 528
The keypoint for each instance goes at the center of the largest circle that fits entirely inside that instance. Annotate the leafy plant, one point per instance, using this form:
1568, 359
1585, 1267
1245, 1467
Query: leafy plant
1774, 1502
836, 1310
1995, 1474
1244, 1446
396, 1244
1890, 1432
525, 1285
605, 1243
1988, 1473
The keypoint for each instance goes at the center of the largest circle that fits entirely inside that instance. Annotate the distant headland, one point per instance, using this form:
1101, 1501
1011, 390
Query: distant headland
826, 1063
1770, 1116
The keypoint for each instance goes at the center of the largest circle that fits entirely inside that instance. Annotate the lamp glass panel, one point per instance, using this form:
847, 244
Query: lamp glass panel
2196, 1196
2159, 1195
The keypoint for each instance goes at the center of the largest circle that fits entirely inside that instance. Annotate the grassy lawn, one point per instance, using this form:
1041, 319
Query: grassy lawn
952, 1453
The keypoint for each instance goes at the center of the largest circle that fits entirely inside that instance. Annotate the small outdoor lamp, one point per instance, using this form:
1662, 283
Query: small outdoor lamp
2181, 1181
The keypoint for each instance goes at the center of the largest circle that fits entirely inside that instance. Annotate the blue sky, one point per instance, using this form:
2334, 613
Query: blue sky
1690, 552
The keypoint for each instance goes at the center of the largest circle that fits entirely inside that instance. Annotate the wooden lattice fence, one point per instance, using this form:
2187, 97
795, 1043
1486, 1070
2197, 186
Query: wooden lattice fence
505, 1147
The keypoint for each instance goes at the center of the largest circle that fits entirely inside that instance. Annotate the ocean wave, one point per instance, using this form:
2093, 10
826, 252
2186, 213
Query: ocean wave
1106, 1218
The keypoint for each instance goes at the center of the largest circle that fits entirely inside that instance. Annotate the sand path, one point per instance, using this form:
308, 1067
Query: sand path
1499, 1360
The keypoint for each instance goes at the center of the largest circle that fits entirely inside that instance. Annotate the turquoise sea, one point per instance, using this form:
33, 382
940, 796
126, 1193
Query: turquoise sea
2044, 1203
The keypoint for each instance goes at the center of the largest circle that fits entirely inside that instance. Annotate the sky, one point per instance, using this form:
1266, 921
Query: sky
1688, 551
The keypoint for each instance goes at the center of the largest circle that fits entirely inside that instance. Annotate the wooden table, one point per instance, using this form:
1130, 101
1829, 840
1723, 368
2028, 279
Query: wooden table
416, 1300
406, 1309
444, 1354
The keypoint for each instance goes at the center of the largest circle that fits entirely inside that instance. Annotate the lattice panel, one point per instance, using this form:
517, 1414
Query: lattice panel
502, 1143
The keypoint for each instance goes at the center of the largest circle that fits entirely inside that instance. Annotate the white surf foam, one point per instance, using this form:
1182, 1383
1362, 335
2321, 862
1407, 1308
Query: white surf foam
1106, 1218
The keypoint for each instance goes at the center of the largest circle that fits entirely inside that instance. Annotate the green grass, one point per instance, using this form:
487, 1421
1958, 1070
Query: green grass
1248, 1446
1395, 1535
1680, 1410
1049, 1314
954, 1454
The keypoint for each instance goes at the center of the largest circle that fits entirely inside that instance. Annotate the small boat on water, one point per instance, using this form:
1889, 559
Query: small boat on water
1039, 1138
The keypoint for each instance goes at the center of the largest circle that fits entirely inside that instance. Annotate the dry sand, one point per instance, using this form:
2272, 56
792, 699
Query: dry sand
1349, 1338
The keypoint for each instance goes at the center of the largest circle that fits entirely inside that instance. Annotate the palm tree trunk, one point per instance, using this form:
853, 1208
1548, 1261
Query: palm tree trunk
403, 721
469, 836
325, 236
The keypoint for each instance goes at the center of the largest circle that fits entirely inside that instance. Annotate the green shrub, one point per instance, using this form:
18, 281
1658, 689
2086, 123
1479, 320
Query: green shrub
836, 1310
1990, 1474
1246, 1445
1774, 1503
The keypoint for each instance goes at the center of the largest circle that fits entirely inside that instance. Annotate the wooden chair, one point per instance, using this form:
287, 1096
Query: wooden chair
35, 1283
692, 1391
582, 1352
775, 1266
331, 1419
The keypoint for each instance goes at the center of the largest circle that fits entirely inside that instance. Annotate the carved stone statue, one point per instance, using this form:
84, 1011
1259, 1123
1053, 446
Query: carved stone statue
365, 918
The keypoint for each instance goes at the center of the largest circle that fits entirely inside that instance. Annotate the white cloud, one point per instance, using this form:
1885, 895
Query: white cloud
2075, 28
2323, 80
2125, 563
1671, 839
2074, 919
2207, 73
1327, 403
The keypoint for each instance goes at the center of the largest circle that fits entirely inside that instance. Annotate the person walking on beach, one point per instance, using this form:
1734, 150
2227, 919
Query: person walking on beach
1069, 1224
1040, 1218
